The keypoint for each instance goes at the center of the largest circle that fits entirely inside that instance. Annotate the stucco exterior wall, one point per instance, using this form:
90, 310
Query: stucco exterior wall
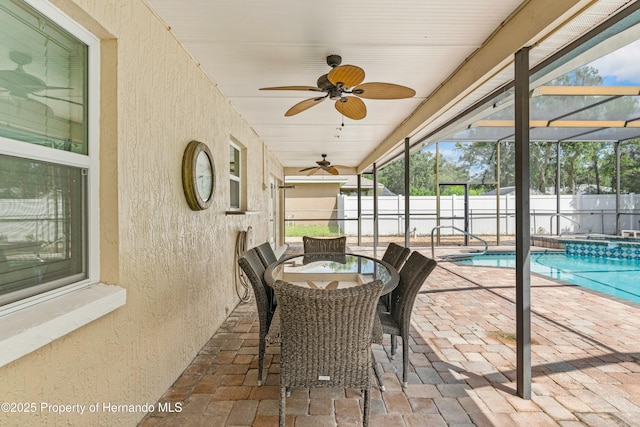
310, 204
176, 264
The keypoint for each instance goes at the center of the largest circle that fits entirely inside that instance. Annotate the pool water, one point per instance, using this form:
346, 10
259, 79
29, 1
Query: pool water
613, 276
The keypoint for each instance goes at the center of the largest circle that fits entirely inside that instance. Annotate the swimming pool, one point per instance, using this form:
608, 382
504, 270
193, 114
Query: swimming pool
613, 276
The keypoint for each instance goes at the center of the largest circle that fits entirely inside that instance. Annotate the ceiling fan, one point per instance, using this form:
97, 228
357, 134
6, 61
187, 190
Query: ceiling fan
324, 165
341, 82
21, 84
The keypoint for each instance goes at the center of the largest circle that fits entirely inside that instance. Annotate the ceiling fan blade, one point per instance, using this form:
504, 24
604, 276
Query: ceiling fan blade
331, 170
383, 91
304, 105
348, 75
57, 99
41, 88
353, 107
311, 88
313, 171
24, 81
307, 169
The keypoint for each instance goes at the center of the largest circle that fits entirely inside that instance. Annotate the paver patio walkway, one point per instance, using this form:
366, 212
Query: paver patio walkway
585, 358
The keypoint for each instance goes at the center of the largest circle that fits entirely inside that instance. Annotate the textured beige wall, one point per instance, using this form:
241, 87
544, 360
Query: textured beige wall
176, 264
322, 197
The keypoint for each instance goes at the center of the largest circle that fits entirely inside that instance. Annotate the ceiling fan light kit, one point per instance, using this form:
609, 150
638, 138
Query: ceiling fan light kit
339, 83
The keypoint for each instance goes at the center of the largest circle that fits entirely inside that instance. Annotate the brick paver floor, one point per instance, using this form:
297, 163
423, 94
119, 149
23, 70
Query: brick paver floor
585, 357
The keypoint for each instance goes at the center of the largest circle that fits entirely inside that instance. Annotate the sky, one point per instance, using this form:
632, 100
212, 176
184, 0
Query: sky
620, 67
446, 150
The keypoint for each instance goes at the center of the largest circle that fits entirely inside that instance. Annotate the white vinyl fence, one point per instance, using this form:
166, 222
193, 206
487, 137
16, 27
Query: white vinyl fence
578, 214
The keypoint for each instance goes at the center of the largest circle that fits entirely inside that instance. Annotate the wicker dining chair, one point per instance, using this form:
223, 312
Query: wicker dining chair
398, 320
331, 244
268, 256
326, 338
254, 271
395, 255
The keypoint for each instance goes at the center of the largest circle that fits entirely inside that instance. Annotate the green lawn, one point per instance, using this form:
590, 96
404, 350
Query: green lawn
311, 230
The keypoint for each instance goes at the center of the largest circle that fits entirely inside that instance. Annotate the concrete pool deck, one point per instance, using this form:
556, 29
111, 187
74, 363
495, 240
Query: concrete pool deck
585, 363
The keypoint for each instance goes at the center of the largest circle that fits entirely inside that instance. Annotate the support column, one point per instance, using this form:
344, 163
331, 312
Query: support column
375, 211
407, 195
498, 193
557, 188
359, 178
523, 229
437, 191
617, 149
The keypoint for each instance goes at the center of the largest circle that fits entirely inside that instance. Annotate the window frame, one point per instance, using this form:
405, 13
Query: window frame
89, 162
237, 179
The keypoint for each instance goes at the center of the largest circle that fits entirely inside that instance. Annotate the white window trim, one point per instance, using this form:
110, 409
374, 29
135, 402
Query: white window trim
31, 323
29, 329
238, 179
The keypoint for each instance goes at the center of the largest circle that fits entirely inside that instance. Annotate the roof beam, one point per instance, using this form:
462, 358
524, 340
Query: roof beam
530, 24
562, 123
586, 91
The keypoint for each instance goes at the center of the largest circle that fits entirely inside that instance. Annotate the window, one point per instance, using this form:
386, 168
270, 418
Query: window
273, 211
48, 161
235, 177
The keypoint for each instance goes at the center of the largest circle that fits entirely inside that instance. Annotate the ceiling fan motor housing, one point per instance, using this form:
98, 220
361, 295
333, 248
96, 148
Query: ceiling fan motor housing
333, 91
324, 83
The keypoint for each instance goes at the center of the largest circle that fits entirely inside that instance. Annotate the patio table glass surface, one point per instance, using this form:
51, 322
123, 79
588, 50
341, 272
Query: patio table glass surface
332, 271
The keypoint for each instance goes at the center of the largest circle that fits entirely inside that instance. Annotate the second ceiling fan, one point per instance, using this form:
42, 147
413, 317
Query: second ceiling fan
340, 84
324, 165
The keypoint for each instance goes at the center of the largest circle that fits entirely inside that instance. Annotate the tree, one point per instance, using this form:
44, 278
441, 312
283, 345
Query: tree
630, 166
422, 174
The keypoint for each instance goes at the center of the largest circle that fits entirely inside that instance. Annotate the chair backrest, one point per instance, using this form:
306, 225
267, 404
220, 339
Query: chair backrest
254, 271
412, 275
266, 254
396, 255
326, 335
331, 244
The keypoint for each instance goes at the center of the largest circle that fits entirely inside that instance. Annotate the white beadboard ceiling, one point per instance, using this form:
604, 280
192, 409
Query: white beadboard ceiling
436, 47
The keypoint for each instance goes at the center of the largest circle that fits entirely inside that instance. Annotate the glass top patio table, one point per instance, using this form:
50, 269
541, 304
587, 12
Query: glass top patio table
332, 271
